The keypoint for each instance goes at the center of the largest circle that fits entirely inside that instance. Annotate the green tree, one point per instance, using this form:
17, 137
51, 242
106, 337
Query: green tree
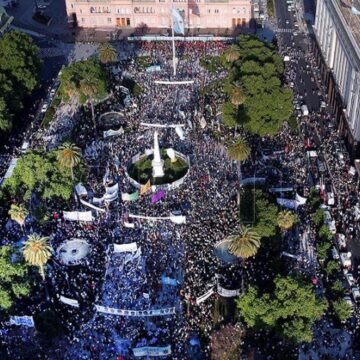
14, 281
325, 234
18, 213
5, 117
69, 156
318, 217
291, 309
342, 309
245, 244
239, 150
257, 209
232, 53
228, 111
89, 87
286, 219
323, 250
332, 267
76, 78
19, 74
107, 53
264, 114
37, 252
41, 173
337, 288
237, 96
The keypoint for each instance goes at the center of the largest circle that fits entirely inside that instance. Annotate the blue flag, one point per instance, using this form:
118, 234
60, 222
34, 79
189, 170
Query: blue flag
178, 22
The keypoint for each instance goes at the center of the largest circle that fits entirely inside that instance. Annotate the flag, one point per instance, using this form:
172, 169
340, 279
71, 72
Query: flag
178, 22
193, 6
354, 10
158, 196
145, 188
130, 197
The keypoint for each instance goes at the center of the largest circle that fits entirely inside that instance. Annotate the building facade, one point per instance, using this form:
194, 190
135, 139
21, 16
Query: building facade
202, 14
337, 50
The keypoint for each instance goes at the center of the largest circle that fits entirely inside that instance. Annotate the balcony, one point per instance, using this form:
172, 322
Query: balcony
216, 1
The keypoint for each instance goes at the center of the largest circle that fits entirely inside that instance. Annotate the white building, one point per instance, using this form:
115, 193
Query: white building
337, 32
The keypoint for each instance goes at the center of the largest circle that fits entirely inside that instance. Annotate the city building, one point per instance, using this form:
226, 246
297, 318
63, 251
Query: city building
5, 20
198, 14
337, 50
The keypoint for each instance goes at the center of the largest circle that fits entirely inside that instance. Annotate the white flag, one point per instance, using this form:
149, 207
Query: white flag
178, 22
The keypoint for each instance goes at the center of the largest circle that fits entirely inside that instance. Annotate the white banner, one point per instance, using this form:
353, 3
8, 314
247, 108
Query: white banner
202, 298
300, 200
109, 133
152, 351
91, 205
22, 321
118, 248
78, 215
227, 293
69, 301
123, 312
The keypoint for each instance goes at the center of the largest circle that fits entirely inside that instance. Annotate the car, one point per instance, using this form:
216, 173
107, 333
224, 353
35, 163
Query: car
329, 194
350, 279
335, 253
355, 293
287, 21
341, 240
44, 107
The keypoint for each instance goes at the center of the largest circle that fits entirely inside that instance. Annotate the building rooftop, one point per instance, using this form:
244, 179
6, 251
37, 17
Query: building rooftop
352, 20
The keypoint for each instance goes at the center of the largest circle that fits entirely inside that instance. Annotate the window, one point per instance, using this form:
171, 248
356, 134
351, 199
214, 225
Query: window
244, 11
127, 21
216, 11
109, 20
80, 11
82, 20
209, 11
72, 6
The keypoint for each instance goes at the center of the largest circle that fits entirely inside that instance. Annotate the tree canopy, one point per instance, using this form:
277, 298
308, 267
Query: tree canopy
74, 80
265, 218
265, 103
41, 173
291, 309
19, 74
13, 277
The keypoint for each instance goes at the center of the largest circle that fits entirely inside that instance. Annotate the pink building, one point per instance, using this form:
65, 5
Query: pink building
203, 14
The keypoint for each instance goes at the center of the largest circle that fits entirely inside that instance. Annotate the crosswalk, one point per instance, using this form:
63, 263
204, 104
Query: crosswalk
284, 30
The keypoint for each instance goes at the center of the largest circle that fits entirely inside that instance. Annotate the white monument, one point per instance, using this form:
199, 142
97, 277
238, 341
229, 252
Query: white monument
157, 163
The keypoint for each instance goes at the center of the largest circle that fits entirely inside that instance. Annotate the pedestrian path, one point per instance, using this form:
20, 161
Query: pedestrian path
284, 30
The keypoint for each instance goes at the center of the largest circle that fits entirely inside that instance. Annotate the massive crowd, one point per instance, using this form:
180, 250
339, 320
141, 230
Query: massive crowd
184, 253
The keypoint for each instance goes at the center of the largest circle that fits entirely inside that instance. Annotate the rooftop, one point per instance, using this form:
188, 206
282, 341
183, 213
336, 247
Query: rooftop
352, 20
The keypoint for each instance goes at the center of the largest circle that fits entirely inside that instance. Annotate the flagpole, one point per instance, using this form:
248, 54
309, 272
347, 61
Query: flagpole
173, 42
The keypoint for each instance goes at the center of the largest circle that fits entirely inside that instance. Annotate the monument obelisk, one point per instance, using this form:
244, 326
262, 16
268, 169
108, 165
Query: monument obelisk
157, 163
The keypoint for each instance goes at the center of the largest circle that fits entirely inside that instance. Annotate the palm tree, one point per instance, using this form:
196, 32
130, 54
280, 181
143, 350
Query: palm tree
232, 53
107, 53
245, 244
286, 219
239, 151
37, 252
89, 88
237, 96
18, 213
68, 156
